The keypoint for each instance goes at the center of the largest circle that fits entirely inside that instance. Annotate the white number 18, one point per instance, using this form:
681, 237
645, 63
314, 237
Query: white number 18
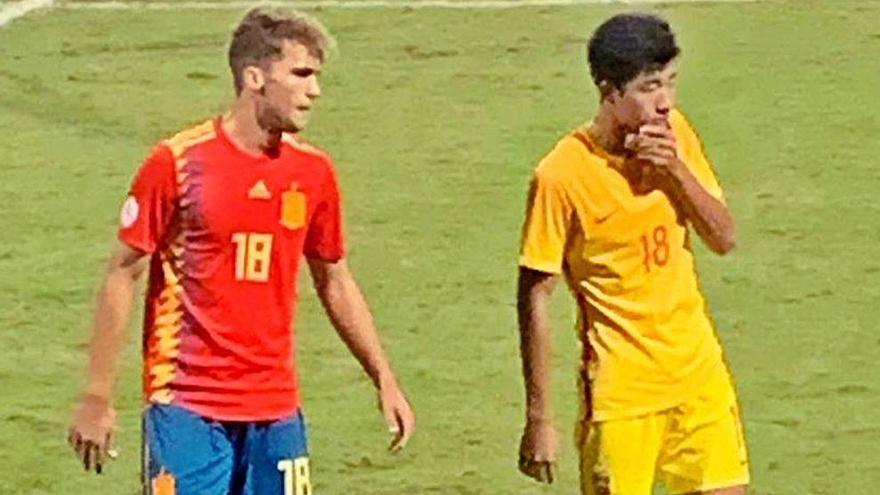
296, 476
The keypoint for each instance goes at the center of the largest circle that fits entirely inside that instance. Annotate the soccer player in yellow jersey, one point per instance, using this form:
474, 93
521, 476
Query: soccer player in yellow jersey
609, 209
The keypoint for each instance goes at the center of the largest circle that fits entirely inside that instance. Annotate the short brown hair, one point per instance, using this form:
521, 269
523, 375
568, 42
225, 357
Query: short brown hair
260, 37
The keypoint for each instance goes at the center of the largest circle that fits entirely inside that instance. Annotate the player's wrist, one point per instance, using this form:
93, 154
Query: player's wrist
96, 398
538, 418
386, 381
678, 172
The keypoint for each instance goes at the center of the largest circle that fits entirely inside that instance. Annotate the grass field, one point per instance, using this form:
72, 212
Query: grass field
435, 118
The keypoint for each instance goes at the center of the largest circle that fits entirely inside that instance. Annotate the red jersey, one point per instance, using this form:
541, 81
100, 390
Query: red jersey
227, 231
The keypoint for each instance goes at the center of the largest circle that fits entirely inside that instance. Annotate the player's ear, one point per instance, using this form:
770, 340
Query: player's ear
253, 78
606, 91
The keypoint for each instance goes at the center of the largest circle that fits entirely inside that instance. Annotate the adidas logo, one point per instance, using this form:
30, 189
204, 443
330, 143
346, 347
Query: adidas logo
259, 191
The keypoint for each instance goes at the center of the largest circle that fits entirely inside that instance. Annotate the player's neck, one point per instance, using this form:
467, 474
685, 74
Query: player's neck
607, 134
242, 127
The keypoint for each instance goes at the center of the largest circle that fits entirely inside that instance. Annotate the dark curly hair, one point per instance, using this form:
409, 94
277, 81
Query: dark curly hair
627, 45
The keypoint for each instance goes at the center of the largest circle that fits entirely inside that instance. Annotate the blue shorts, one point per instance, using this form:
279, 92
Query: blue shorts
186, 454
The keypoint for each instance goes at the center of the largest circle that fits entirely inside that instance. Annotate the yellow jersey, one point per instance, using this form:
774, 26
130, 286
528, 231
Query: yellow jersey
647, 336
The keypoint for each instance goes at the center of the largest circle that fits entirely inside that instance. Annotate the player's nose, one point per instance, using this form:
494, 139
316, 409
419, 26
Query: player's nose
314, 89
664, 103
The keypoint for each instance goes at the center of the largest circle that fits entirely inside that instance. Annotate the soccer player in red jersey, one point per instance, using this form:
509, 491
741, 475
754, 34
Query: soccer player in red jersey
221, 216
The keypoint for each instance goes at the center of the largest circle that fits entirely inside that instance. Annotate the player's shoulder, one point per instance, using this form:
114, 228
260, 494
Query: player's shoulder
191, 136
685, 131
567, 159
303, 147
309, 159
677, 117
159, 167
680, 123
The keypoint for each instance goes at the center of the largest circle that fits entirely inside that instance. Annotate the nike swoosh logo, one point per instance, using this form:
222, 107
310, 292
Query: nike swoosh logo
603, 218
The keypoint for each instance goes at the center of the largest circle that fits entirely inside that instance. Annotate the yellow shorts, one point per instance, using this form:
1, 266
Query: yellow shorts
694, 447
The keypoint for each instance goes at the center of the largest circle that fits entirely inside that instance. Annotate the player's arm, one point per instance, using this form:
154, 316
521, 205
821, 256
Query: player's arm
709, 216
549, 217
93, 422
538, 446
144, 219
348, 312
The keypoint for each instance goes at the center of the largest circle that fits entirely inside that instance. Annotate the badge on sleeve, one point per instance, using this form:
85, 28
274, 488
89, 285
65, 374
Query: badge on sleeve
129, 214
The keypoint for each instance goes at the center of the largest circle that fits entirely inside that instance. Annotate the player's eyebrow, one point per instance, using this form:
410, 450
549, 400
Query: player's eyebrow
657, 79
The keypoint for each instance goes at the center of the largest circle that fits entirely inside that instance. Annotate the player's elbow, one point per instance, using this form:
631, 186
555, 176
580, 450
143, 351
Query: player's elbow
327, 288
724, 243
721, 237
126, 264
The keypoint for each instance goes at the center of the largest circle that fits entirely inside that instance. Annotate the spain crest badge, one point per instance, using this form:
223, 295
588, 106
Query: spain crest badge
293, 208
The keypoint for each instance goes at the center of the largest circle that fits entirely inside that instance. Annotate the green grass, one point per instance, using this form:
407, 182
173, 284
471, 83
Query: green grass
435, 119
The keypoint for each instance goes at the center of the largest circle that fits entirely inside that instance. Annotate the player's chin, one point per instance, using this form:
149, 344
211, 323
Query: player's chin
299, 121
293, 125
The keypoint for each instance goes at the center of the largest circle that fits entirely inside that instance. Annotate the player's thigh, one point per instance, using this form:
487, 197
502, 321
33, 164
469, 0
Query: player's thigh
184, 454
278, 458
705, 450
619, 457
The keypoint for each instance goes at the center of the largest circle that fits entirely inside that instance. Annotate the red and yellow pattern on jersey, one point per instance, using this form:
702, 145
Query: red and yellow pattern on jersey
227, 231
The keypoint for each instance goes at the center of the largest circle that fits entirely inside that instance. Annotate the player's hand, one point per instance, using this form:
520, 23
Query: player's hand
398, 414
537, 451
91, 432
653, 149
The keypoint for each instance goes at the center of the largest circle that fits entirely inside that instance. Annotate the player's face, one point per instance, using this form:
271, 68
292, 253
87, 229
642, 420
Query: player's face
290, 89
647, 99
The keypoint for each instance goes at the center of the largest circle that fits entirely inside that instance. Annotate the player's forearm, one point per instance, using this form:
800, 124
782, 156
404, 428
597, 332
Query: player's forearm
710, 217
535, 347
111, 319
348, 312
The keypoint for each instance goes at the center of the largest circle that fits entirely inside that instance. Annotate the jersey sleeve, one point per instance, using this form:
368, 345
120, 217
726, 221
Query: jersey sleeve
324, 238
549, 214
696, 161
148, 210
